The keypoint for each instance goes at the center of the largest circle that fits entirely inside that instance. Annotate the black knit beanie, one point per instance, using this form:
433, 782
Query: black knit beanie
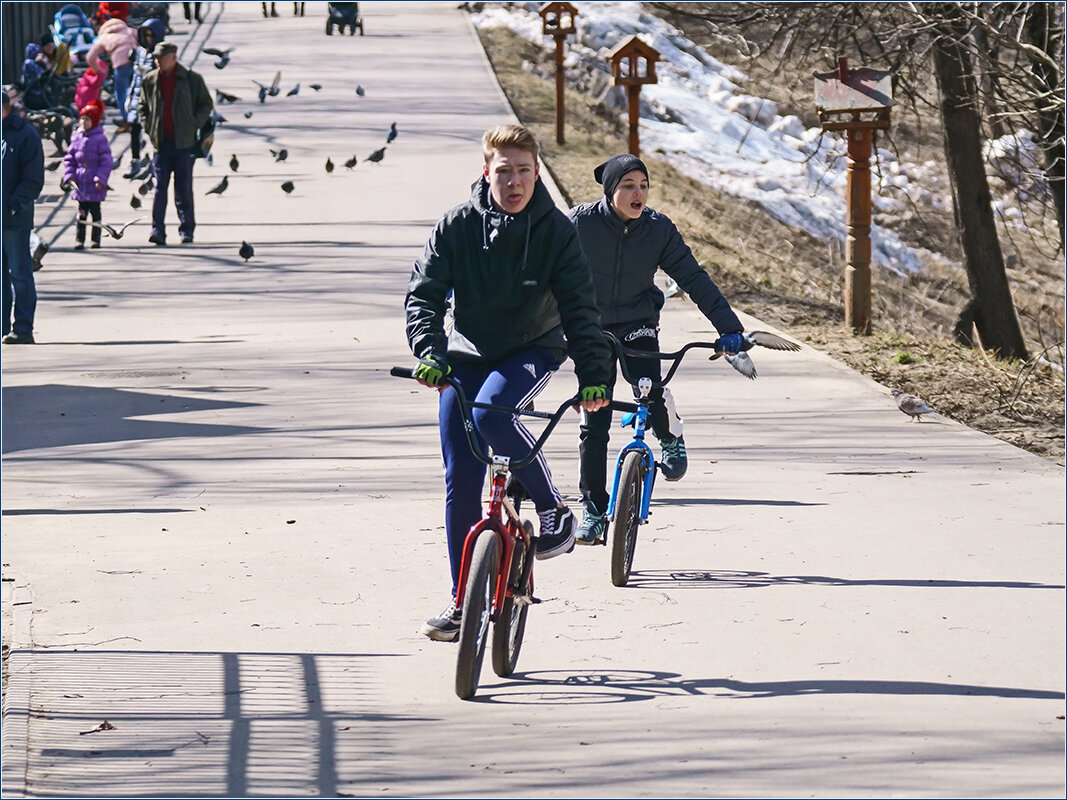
611, 171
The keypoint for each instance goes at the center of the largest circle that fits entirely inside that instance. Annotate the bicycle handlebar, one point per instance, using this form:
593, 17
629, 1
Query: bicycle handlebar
676, 356
466, 405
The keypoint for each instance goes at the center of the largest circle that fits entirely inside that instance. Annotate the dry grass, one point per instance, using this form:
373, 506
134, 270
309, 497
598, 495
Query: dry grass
794, 281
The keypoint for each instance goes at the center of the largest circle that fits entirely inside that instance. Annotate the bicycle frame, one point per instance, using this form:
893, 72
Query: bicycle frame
638, 444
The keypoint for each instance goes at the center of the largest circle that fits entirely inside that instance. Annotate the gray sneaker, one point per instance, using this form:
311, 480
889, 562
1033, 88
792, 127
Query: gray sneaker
593, 529
445, 626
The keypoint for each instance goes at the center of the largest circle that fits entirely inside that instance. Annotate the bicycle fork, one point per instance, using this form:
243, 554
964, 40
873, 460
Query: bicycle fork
638, 444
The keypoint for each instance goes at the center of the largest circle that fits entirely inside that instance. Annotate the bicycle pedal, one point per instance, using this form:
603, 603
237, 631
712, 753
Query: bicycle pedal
533, 600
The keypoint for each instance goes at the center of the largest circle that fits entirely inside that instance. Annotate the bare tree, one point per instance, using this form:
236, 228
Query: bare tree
1001, 64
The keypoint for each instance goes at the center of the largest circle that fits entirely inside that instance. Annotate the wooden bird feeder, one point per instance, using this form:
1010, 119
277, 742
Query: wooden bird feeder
557, 21
633, 64
856, 101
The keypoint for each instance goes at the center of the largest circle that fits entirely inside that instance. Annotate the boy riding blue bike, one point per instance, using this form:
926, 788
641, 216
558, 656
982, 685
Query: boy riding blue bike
626, 242
519, 283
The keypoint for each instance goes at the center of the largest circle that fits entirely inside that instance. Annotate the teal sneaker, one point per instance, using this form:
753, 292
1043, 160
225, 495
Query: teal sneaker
673, 461
593, 529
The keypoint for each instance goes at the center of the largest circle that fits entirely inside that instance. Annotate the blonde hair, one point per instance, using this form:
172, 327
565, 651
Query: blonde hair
509, 136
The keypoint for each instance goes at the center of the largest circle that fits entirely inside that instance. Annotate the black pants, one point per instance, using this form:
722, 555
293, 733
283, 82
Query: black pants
84, 210
596, 427
135, 141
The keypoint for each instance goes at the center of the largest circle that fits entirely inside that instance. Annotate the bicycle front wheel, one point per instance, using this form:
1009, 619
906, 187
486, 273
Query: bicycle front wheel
627, 518
477, 609
510, 624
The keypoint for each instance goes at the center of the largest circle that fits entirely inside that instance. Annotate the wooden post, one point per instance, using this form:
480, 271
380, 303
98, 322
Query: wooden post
633, 107
855, 93
858, 226
560, 111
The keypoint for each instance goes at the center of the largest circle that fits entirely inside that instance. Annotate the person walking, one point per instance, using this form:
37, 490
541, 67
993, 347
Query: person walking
118, 40
174, 106
87, 166
23, 176
626, 243
150, 33
511, 266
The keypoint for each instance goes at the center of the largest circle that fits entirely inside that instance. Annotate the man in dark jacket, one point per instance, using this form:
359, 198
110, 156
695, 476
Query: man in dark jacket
626, 242
175, 104
23, 168
518, 282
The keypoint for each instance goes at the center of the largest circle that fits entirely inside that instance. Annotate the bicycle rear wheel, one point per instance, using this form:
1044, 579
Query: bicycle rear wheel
477, 608
510, 624
627, 518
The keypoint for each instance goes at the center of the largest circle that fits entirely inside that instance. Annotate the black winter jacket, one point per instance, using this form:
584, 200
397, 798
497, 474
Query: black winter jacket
23, 159
624, 259
517, 281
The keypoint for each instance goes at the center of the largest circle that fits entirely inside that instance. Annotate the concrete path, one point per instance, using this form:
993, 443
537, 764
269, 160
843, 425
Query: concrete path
222, 519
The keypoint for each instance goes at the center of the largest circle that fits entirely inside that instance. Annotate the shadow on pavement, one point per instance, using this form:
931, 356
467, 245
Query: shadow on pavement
731, 579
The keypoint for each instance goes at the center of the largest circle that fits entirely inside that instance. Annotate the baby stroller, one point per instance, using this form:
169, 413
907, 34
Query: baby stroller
344, 15
71, 27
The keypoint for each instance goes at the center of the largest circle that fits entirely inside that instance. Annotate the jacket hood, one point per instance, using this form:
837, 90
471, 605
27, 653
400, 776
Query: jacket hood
113, 25
159, 30
33, 50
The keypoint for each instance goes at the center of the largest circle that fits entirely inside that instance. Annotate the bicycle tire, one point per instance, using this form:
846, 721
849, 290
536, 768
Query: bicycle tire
510, 623
627, 518
477, 609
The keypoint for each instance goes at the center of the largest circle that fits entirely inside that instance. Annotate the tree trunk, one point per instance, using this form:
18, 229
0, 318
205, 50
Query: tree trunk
1047, 34
991, 305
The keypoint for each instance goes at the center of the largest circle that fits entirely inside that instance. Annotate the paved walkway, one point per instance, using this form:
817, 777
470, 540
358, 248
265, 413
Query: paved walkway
222, 520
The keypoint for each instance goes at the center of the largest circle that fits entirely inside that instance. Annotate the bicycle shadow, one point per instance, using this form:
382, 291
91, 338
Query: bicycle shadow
595, 687
748, 579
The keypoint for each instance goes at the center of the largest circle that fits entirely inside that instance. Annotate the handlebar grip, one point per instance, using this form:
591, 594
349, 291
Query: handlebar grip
617, 405
401, 372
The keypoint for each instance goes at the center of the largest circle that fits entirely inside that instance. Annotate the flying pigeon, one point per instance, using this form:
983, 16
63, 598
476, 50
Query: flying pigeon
221, 186
147, 186
223, 97
280, 155
248, 115
329, 164
351, 162
272, 90
223, 56
112, 232
53, 166
215, 115
377, 155
392, 134
246, 251
288, 187
360, 91
135, 202
234, 163
911, 405
262, 94
147, 168
294, 90
315, 86
741, 361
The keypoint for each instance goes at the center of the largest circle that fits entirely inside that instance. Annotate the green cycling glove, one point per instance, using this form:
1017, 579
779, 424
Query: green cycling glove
594, 393
433, 369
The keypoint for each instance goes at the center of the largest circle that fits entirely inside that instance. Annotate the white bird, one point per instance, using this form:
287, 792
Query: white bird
911, 405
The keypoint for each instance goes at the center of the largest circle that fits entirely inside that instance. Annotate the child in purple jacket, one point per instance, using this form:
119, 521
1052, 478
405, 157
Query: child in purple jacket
87, 165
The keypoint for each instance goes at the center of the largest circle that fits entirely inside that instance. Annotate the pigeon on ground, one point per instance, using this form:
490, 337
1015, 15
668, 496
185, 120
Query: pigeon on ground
246, 251
392, 134
135, 202
288, 187
294, 90
221, 186
329, 164
112, 232
360, 91
248, 115
280, 155
377, 155
911, 405
262, 94
147, 186
351, 162
315, 86
223, 97
234, 163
